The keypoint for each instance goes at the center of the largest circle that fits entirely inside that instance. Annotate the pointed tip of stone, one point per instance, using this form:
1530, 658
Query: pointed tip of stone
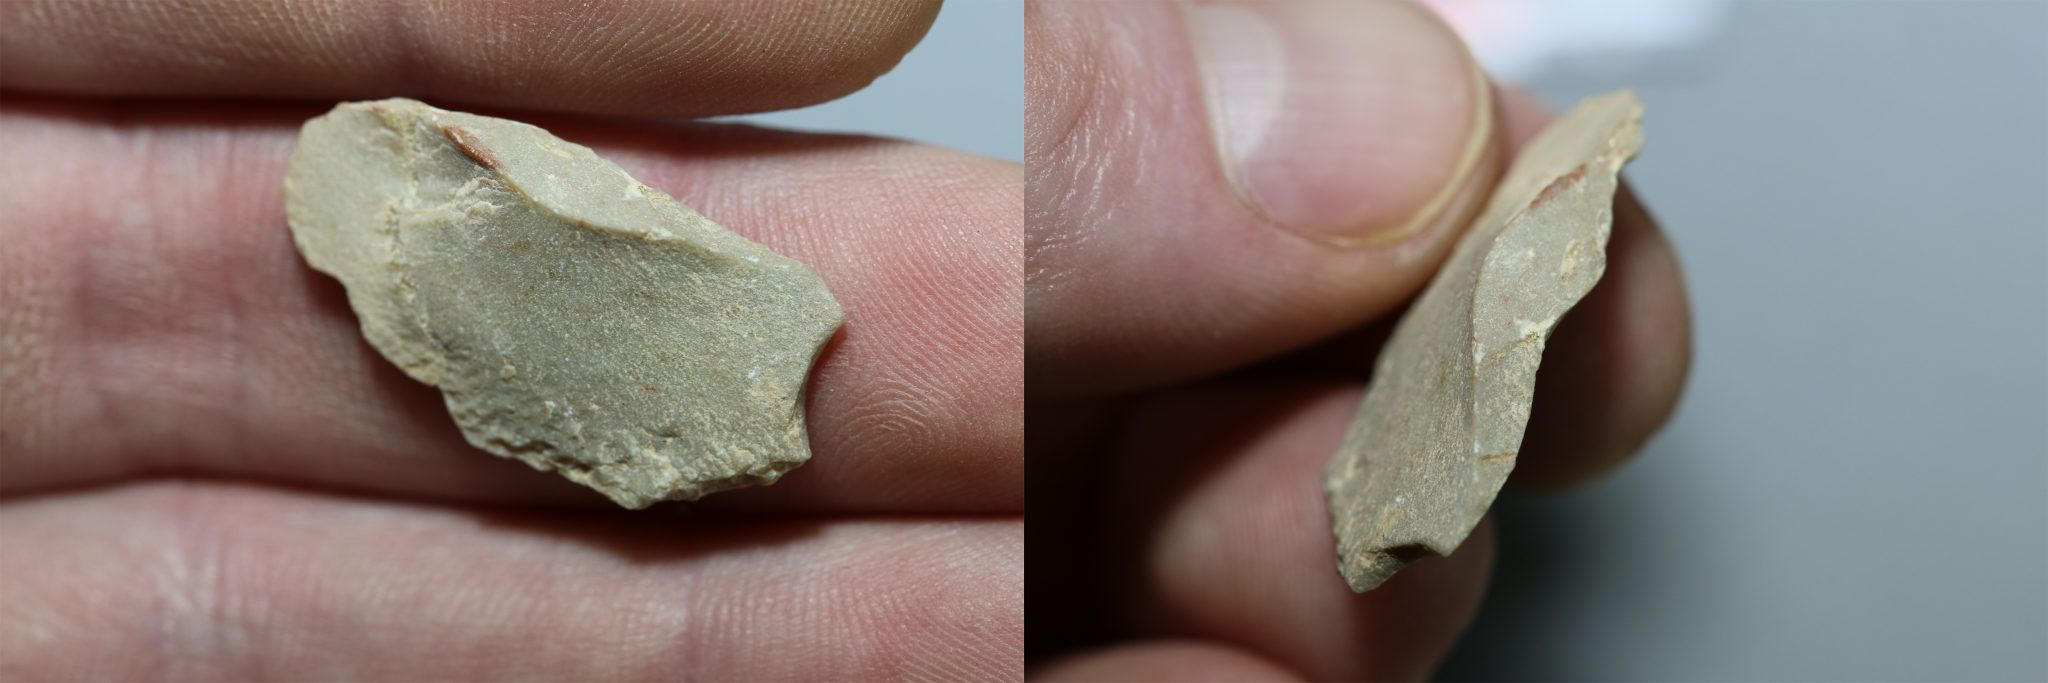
1374, 567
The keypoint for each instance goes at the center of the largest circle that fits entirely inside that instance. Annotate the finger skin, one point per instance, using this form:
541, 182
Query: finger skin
1224, 534
160, 321
1145, 267
214, 581
632, 57
1168, 661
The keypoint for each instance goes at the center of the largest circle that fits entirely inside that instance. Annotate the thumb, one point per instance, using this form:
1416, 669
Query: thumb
1215, 183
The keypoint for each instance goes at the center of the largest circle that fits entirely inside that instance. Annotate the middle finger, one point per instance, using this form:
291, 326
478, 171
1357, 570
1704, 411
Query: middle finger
1227, 536
167, 325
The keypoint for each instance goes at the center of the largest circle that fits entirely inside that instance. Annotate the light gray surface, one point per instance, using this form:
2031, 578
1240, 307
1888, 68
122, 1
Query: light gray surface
962, 87
574, 319
1855, 486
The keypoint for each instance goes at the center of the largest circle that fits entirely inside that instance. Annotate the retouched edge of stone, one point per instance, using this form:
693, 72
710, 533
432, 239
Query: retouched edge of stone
1377, 563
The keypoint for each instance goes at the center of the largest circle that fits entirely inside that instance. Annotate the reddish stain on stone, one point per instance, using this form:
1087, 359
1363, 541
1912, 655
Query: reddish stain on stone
1559, 186
472, 147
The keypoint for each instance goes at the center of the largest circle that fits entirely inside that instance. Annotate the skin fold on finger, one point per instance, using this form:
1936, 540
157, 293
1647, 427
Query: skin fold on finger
1167, 661
633, 57
212, 581
160, 320
1136, 241
1221, 531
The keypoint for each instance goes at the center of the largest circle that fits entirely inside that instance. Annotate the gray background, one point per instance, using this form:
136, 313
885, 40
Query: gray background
1855, 486
962, 87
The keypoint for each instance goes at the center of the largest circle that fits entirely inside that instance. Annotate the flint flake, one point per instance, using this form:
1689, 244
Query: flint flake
573, 318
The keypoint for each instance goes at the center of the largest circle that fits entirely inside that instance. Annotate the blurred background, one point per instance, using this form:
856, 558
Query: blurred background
966, 79
1855, 485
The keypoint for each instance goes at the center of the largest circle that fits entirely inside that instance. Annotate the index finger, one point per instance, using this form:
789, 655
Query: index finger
633, 57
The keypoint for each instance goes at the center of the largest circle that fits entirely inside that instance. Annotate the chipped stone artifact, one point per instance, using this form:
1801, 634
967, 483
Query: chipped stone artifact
573, 318
1442, 420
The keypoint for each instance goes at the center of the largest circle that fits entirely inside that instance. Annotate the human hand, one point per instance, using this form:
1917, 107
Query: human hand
1202, 317
206, 473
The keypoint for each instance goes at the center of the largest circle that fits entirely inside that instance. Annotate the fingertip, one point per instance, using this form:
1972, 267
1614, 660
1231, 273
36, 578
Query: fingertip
1351, 123
1234, 542
1184, 219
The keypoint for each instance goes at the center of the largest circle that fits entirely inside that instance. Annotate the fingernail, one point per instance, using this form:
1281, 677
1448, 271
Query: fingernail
1351, 123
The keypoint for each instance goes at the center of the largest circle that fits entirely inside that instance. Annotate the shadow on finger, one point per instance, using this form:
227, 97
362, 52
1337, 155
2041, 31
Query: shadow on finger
1219, 530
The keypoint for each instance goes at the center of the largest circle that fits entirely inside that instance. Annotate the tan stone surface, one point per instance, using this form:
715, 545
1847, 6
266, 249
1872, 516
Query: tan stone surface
573, 318
1442, 420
